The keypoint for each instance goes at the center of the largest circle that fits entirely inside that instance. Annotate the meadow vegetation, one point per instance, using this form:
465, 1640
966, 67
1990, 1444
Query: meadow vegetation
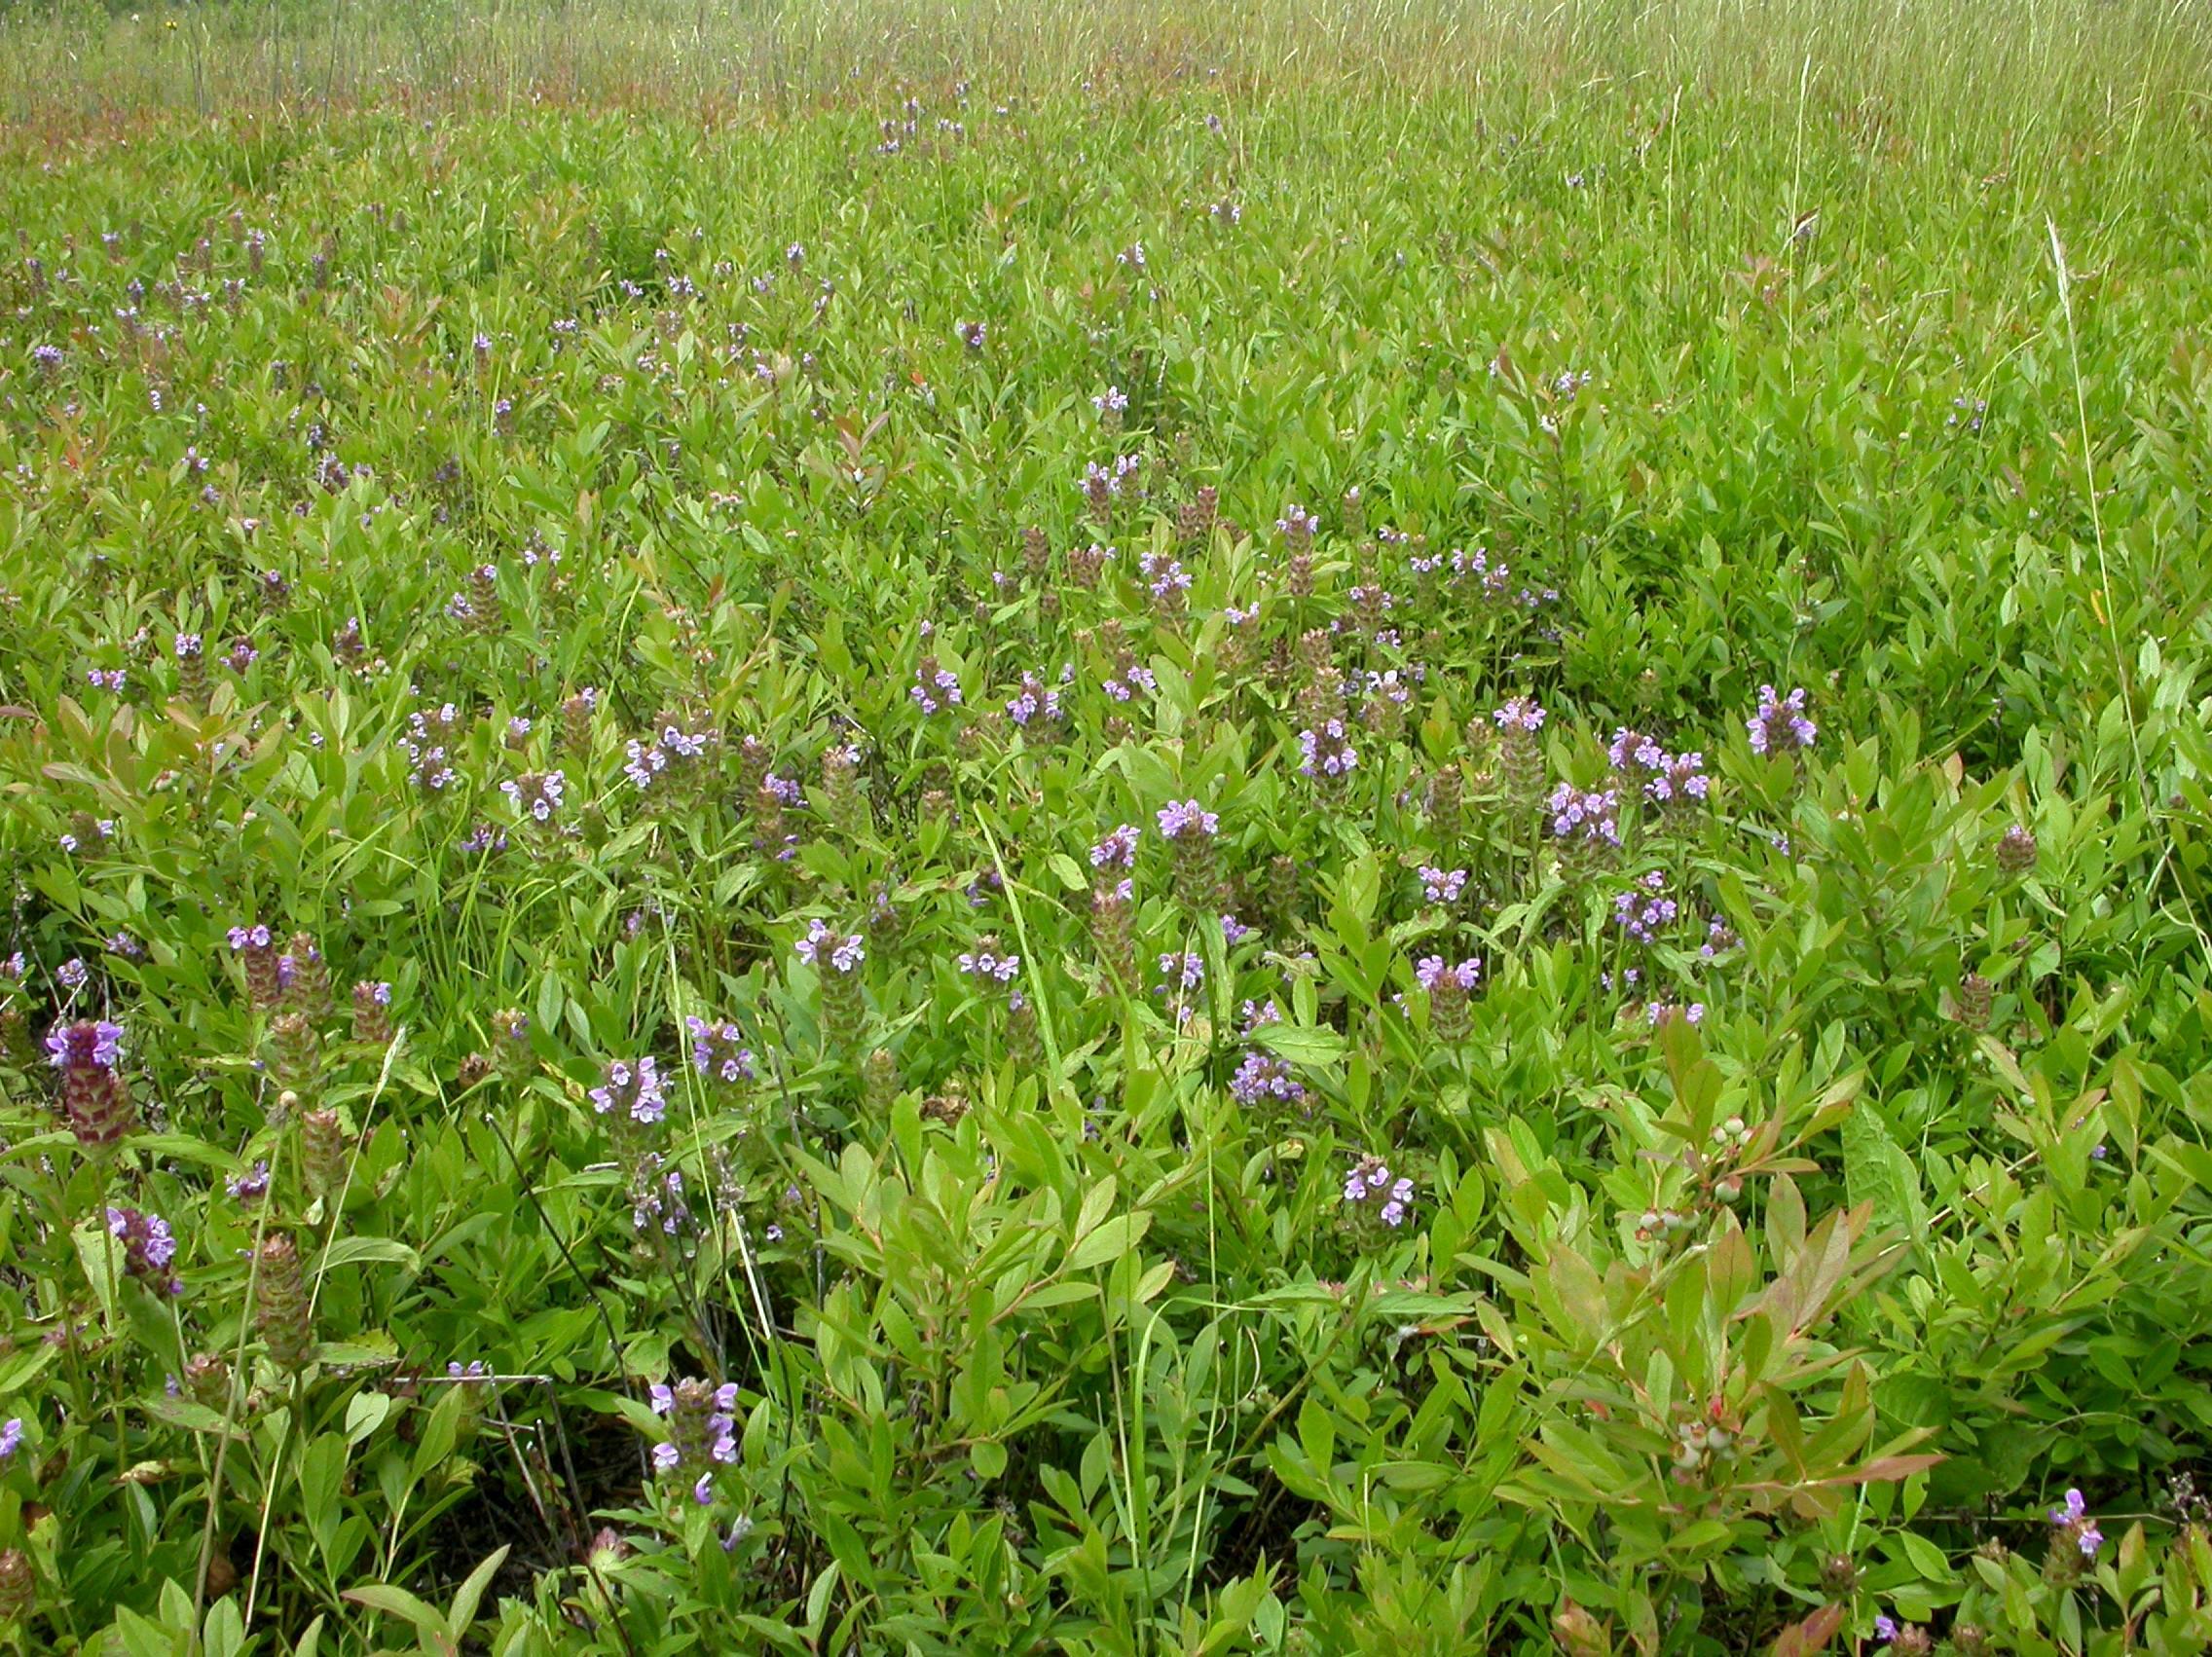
961, 827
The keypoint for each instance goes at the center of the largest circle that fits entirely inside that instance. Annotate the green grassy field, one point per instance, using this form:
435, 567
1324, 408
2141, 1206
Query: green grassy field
950, 829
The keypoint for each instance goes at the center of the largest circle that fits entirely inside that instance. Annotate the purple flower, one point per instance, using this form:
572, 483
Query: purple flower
1187, 820
1035, 700
934, 687
88, 1044
1189, 966
702, 1430
1441, 885
1632, 751
1885, 1629
1233, 930
1166, 575
243, 937
1112, 400
1584, 819
1264, 1076
72, 974
1681, 779
984, 962
719, 1051
148, 1247
843, 951
1521, 714
11, 1437
1644, 910
250, 1186
1431, 971
1327, 751
633, 1089
1780, 724
1119, 850
1370, 1182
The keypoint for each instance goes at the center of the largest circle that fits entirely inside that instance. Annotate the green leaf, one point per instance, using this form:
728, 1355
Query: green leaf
399, 1602
1925, 1556
1309, 1046
467, 1598
1876, 1171
357, 1251
102, 1256
1112, 1238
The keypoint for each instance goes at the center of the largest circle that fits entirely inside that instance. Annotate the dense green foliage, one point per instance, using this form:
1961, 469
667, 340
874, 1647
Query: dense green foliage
598, 585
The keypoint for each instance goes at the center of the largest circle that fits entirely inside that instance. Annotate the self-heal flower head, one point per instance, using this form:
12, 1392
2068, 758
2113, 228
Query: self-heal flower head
148, 1246
1264, 1076
985, 962
1521, 714
1780, 725
1188, 966
633, 1089
1582, 818
1433, 973
840, 951
1632, 751
719, 1051
1327, 751
1370, 1182
1187, 820
934, 687
1442, 885
702, 1430
1118, 850
1680, 780
89, 1044
1034, 701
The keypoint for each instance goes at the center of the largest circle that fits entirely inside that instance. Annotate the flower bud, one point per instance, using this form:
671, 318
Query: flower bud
282, 1309
1975, 999
19, 1585
322, 1152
